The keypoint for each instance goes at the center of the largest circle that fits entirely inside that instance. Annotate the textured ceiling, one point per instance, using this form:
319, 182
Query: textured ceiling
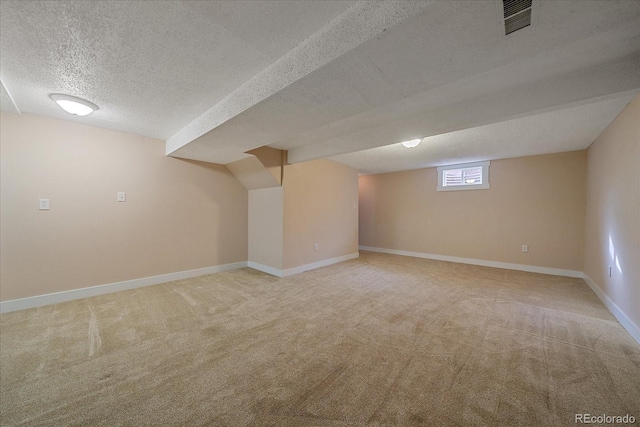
338, 80
152, 67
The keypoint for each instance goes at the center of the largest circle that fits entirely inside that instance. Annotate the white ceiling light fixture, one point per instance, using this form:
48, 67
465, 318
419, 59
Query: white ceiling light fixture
412, 143
74, 105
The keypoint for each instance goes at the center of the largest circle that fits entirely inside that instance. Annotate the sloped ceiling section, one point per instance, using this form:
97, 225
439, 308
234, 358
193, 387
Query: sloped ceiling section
341, 80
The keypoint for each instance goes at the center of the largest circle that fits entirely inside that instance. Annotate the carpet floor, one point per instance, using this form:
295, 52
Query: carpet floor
382, 340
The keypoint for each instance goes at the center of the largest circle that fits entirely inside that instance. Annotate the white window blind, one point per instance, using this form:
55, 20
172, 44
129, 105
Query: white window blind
463, 176
472, 176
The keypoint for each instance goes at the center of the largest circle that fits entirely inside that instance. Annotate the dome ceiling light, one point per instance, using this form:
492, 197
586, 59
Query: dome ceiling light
412, 143
74, 105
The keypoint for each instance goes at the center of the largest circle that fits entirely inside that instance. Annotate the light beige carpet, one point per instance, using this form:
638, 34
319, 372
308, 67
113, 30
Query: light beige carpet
381, 340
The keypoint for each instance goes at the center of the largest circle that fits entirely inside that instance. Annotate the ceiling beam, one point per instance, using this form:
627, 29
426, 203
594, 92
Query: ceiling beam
355, 26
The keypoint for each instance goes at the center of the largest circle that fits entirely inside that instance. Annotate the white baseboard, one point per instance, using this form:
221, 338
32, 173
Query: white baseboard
485, 263
265, 269
626, 323
302, 268
58, 297
318, 264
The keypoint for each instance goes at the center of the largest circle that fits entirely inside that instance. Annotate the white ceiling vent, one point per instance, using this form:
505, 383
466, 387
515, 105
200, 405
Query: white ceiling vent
517, 15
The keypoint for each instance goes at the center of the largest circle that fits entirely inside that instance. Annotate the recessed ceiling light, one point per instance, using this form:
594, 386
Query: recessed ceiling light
74, 105
412, 143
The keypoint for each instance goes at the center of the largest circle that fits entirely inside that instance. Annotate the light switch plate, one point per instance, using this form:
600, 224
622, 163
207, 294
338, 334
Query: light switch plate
43, 204
122, 196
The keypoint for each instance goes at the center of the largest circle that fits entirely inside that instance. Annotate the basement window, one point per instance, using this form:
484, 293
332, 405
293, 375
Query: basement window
469, 176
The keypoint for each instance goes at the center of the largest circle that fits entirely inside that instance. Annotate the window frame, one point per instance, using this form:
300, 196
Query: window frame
485, 177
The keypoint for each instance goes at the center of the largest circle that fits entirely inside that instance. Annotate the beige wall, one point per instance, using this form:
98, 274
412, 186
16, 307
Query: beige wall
266, 227
613, 211
179, 215
320, 206
537, 201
